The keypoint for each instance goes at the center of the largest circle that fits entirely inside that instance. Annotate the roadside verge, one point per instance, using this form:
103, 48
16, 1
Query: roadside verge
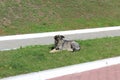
52, 73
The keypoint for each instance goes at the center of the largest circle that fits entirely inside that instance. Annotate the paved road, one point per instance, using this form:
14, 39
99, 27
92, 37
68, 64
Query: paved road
16, 43
106, 73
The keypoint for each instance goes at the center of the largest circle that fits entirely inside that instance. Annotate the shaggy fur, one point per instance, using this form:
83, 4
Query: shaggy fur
61, 44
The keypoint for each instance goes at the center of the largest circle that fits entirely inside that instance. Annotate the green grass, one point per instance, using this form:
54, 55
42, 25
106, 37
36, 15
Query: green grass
33, 16
38, 58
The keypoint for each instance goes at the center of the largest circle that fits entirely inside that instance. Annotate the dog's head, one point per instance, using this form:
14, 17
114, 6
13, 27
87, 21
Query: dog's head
58, 37
58, 40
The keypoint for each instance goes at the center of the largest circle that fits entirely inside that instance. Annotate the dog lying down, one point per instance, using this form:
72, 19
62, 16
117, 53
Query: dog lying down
61, 44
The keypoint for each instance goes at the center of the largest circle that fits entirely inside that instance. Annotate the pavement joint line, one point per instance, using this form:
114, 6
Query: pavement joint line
47, 34
52, 73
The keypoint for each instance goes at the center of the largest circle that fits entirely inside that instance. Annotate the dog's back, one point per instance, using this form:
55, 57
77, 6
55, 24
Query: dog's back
66, 45
70, 45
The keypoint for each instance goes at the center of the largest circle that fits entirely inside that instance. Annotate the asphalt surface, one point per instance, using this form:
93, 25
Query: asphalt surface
13, 44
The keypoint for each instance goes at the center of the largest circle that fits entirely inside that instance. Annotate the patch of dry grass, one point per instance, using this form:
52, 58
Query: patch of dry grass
27, 16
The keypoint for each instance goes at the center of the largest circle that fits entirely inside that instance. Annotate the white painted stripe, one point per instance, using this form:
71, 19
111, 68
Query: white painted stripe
47, 74
38, 35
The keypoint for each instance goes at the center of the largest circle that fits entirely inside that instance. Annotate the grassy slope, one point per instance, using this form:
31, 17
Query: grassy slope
28, 16
36, 58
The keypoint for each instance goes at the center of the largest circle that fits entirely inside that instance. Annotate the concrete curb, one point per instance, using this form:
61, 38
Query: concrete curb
47, 74
37, 35
17, 41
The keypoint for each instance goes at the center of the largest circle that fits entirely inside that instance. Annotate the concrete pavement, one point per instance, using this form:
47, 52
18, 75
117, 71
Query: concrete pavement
17, 41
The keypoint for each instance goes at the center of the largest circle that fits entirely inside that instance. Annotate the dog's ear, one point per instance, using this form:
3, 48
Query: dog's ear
62, 36
55, 37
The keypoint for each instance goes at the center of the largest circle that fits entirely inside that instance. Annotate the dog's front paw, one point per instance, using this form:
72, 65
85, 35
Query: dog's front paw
53, 51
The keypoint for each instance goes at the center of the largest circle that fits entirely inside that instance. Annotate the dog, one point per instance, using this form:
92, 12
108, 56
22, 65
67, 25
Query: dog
62, 44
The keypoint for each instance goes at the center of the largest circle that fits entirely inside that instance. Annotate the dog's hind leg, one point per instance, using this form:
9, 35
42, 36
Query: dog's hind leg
75, 46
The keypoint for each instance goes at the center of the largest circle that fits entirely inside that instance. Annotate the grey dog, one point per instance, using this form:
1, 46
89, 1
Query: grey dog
62, 44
